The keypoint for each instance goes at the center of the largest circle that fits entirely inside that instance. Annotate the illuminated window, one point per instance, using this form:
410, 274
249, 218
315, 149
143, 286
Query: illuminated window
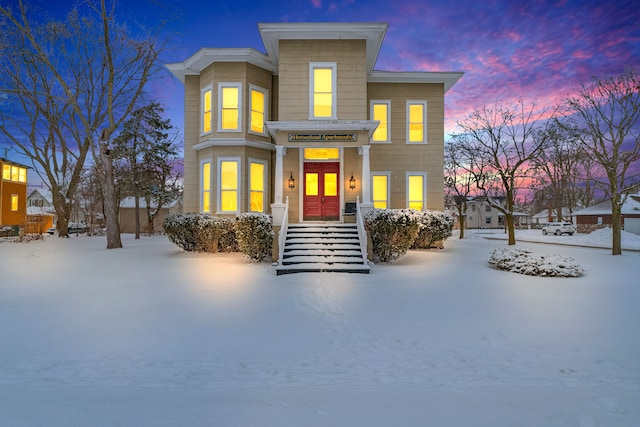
206, 110
380, 111
229, 106
14, 202
14, 173
205, 185
228, 175
416, 121
416, 190
256, 186
380, 190
258, 109
321, 154
330, 184
322, 91
311, 184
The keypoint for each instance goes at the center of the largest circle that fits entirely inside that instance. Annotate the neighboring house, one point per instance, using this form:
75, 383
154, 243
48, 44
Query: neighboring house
13, 193
128, 214
599, 216
480, 214
310, 125
551, 215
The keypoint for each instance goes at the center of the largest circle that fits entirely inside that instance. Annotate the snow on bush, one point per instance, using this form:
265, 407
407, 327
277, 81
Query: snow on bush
525, 262
435, 227
200, 233
392, 232
255, 235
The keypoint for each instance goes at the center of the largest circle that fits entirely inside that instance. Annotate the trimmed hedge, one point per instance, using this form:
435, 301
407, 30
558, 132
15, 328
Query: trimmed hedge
524, 261
250, 233
394, 231
200, 233
255, 235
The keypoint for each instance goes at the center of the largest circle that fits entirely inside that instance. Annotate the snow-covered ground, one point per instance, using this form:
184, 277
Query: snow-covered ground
152, 336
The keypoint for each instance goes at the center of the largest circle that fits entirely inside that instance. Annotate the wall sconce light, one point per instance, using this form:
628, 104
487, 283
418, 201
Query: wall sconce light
352, 182
292, 181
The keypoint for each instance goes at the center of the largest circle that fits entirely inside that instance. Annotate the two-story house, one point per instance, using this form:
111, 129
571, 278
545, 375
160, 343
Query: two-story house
13, 193
310, 126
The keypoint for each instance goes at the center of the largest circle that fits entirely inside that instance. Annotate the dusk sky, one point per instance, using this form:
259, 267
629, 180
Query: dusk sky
538, 50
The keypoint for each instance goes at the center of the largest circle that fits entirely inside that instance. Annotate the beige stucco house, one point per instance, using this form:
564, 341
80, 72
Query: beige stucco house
310, 126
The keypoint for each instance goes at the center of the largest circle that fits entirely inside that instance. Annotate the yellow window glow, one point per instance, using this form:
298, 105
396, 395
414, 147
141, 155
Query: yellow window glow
22, 175
206, 111
15, 173
321, 153
416, 123
229, 186
311, 184
230, 114
379, 191
416, 192
257, 111
206, 187
330, 184
14, 202
322, 92
380, 114
257, 187
6, 172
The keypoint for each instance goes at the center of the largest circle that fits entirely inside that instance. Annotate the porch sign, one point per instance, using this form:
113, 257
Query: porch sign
323, 137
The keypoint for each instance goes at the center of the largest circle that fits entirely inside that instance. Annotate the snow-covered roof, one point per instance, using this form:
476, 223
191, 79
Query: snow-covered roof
44, 193
631, 206
544, 214
130, 203
39, 210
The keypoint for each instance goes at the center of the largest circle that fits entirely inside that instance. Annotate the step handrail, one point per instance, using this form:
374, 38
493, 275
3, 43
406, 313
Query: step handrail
282, 234
362, 233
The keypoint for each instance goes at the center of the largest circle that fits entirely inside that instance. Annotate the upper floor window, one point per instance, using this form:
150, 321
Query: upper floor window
229, 107
14, 202
322, 91
487, 208
416, 190
14, 173
258, 109
380, 190
206, 110
416, 122
380, 111
228, 188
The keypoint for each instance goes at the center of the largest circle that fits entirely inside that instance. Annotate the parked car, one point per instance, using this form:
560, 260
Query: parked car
559, 228
76, 228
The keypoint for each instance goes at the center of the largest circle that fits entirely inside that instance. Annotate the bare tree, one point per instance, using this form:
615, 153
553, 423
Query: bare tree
70, 84
504, 140
459, 181
606, 114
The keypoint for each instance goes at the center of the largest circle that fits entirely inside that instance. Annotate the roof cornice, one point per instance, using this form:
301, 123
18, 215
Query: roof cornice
448, 78
372, 32
207, 56
327, 125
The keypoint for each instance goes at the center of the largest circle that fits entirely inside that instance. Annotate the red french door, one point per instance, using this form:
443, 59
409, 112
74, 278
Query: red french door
321, 200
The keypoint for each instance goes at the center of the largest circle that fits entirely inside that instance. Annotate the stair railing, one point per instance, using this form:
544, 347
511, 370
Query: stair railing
362, 233
282, 234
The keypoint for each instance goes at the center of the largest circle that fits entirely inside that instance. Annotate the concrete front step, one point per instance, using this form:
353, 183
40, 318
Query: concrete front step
322, 248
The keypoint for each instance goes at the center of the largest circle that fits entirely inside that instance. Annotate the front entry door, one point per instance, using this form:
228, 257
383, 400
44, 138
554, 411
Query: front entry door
321, 191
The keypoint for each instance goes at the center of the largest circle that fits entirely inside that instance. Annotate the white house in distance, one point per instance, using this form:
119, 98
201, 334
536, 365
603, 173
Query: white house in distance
310, 127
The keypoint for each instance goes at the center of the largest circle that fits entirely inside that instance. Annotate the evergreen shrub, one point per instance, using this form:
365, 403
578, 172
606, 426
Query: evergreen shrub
392, 232
435, 228
200, 233
254, 234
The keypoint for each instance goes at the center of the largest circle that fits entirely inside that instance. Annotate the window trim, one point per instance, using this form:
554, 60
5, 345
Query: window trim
334, 95
424, 188
411, 102
265, 177
388, 104
202, 111
381, 173
265, 107
219, 186
201, 182
221, 86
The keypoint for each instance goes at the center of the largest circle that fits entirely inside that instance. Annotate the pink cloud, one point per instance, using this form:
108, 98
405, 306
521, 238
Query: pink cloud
317, 4
581, 54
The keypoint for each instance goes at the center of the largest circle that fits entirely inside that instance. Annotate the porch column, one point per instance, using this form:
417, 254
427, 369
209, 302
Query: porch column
366, 176
278, 207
